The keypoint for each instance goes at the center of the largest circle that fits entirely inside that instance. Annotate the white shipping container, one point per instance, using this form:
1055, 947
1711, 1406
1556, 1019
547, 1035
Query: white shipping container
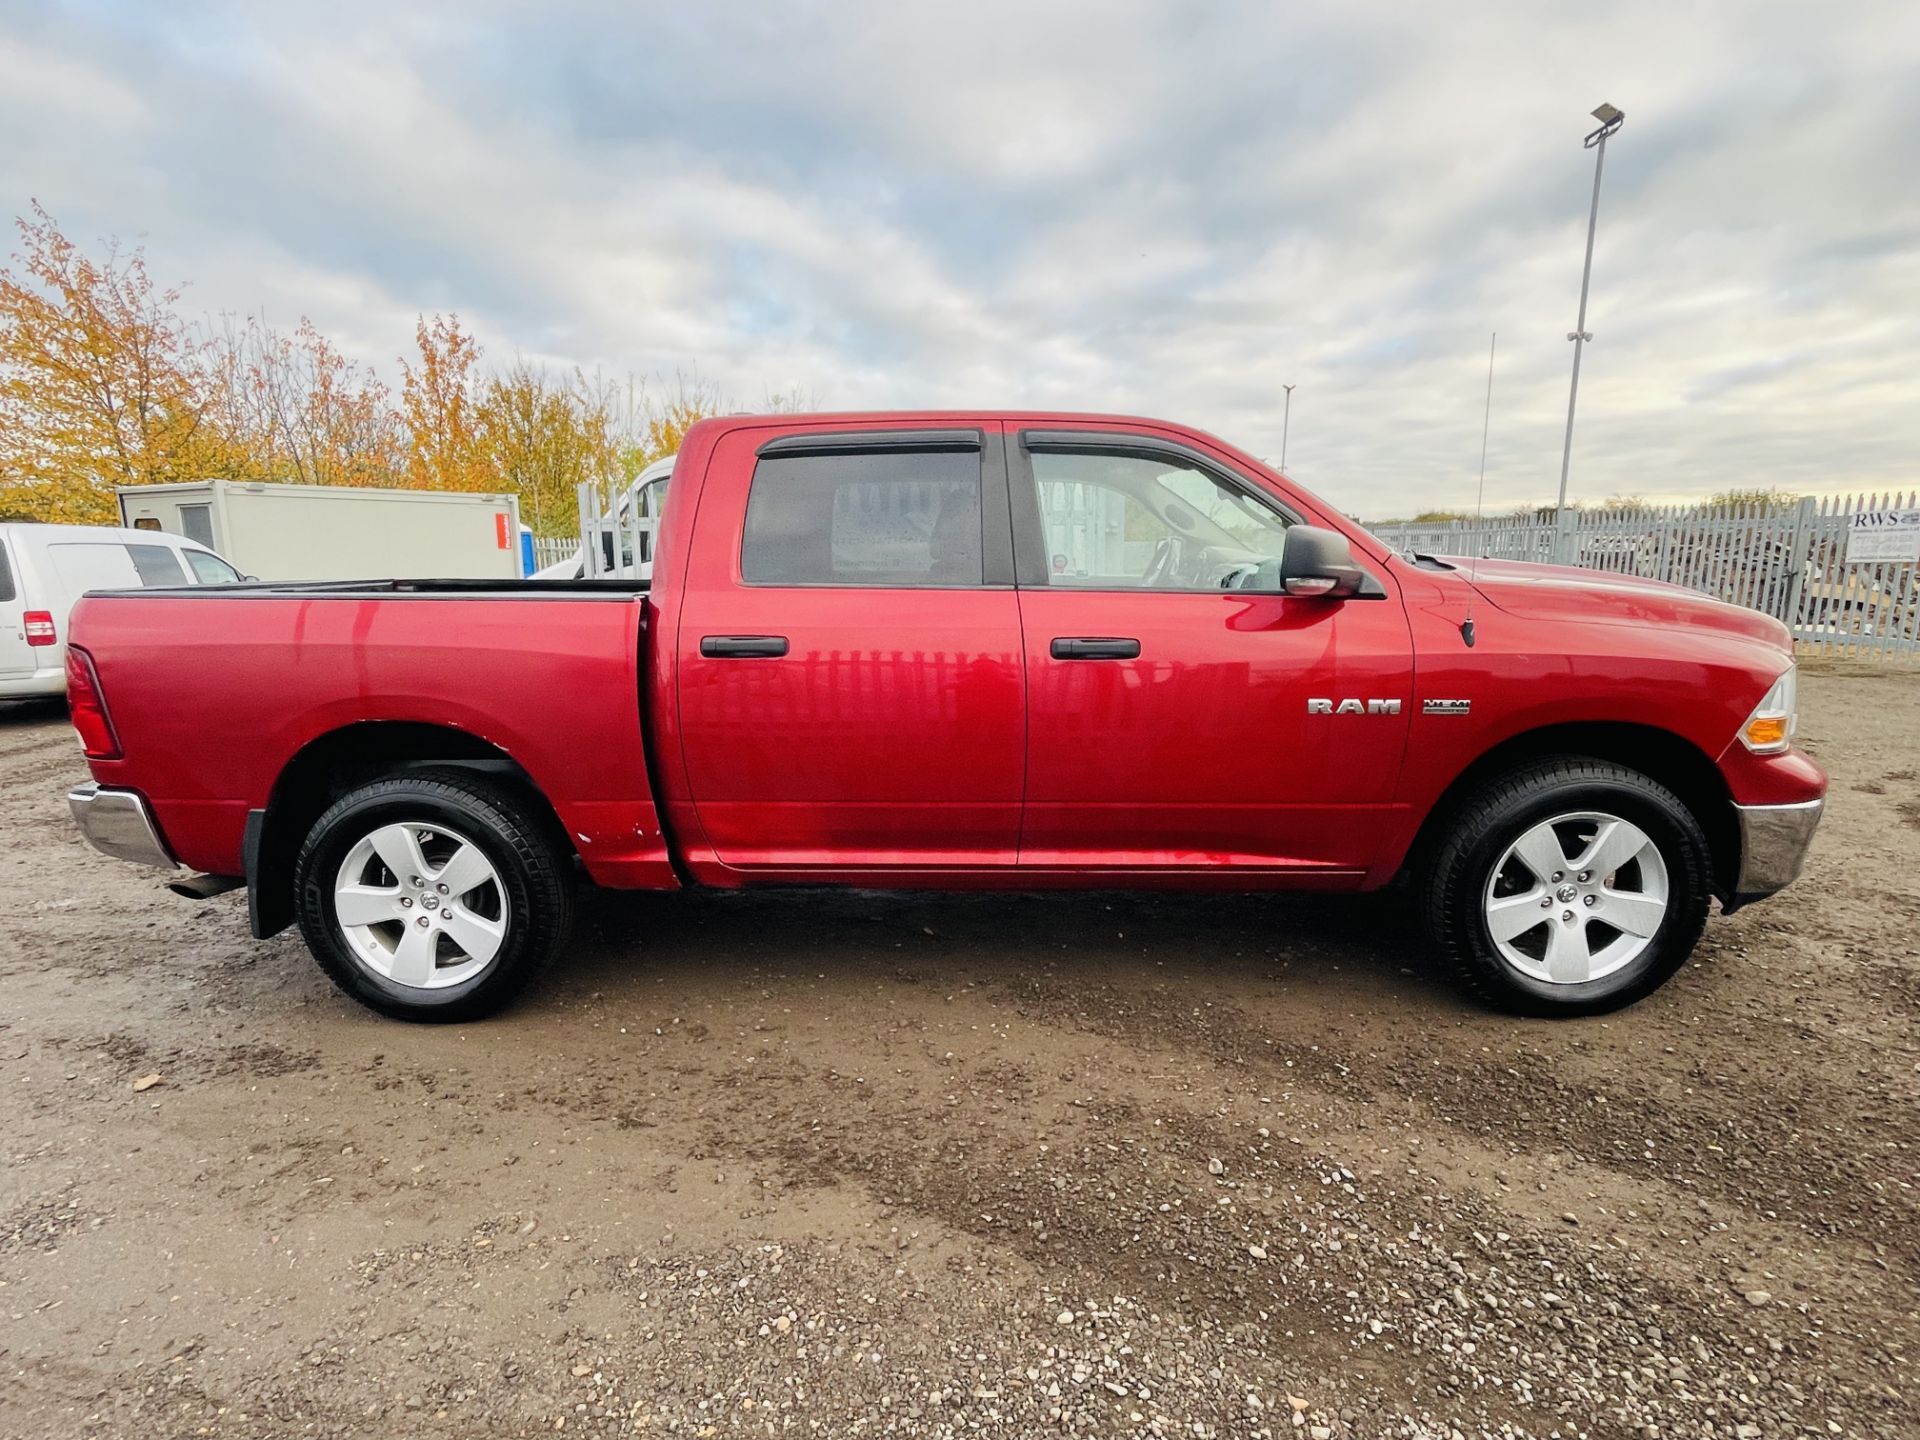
336, 532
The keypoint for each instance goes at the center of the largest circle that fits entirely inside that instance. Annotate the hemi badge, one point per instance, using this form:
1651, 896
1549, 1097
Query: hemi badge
1445, 707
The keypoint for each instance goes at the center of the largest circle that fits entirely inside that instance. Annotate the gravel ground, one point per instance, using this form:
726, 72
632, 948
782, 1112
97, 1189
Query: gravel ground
918, 1165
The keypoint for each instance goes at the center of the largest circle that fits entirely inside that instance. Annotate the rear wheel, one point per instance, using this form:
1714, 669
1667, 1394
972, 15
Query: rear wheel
1569, 888
434, 896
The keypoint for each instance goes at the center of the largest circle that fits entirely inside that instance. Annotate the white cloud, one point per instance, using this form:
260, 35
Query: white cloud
1170, 209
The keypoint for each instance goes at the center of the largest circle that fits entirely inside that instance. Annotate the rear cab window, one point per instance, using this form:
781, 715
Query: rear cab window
866, 517
7, 590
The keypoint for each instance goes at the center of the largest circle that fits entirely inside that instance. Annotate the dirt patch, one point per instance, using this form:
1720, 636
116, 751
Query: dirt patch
1005, 1165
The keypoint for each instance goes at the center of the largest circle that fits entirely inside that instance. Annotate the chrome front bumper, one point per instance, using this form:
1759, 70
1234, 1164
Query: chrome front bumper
118, 823
1773, 845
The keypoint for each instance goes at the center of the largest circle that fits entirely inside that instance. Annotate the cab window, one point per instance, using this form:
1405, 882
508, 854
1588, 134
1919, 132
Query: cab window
210, 569
157, 565
878, 517
1132, 522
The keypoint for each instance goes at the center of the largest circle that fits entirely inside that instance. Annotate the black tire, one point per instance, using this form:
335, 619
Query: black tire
521, 845
1460, 871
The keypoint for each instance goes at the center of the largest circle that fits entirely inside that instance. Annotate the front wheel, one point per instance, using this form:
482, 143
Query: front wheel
1571, 887
435, 895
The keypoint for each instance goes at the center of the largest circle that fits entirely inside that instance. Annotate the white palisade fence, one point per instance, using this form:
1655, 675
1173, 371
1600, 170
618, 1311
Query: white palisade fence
551, 551
1842, 572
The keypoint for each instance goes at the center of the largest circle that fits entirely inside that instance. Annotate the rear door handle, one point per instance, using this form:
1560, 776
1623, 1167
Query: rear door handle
743, 647
1095, 647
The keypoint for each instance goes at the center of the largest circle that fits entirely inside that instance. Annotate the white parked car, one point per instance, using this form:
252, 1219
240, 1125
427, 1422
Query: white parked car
45, 568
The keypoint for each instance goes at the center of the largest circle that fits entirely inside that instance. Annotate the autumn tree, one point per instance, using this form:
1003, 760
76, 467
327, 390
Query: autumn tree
440, 407
101, 382
545, 437
291, 407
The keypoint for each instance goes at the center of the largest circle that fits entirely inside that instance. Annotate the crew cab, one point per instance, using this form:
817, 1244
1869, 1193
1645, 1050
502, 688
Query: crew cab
1021, 651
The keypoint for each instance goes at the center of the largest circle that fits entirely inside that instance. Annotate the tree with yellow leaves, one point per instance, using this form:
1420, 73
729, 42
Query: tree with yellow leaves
545, 438
101, 383
440, 408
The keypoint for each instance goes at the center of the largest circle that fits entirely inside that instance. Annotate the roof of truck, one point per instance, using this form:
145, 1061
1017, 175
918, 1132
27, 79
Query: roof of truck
1059, 419
894, 417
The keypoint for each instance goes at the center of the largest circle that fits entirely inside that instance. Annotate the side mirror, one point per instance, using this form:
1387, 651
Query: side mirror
1318, 563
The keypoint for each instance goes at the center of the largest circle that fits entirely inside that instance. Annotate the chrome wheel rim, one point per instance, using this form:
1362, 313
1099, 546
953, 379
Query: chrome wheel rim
1576, 898
420, 906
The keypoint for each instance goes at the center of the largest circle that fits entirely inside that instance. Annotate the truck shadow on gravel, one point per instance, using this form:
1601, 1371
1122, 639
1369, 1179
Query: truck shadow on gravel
1350, 947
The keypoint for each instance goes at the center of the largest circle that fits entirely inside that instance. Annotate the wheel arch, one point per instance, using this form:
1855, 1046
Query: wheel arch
343, 759
1661, 755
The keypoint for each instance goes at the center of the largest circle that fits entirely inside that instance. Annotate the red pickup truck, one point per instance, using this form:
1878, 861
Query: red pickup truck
957, 651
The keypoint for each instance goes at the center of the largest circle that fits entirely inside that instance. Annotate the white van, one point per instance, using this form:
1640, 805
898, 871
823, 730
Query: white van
45, 568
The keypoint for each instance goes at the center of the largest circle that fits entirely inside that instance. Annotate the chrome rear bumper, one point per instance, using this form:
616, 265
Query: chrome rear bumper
118, 823
1773, 845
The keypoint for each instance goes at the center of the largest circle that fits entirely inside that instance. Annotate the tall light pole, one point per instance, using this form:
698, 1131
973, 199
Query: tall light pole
1286, 422
1610, 120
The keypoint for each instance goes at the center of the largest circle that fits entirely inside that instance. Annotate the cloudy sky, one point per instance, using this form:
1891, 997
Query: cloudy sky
1170, 208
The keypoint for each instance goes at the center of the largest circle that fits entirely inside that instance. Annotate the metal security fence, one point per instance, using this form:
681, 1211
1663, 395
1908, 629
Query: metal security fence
551, 551
1843, 572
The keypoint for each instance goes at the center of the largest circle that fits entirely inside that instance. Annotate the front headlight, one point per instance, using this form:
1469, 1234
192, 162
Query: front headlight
1770, 728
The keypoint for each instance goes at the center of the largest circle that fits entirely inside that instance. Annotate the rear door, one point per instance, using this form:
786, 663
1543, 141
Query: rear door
1174, 719
16, 656
848, 669
82, 565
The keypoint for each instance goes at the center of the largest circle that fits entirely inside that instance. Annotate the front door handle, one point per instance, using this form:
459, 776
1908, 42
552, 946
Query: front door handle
743, 647
1095, 647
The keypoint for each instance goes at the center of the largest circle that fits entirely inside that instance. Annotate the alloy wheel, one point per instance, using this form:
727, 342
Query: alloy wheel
1576, 897
420, 905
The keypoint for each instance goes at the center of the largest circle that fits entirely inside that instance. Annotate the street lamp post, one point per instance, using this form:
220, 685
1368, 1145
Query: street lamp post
1610, 120
1286, 422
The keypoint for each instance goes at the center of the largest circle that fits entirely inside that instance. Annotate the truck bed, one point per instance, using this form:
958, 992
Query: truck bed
616, 587
217, 691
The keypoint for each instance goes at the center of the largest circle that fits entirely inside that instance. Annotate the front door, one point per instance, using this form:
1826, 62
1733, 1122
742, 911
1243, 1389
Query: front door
849, 668
1175, 721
